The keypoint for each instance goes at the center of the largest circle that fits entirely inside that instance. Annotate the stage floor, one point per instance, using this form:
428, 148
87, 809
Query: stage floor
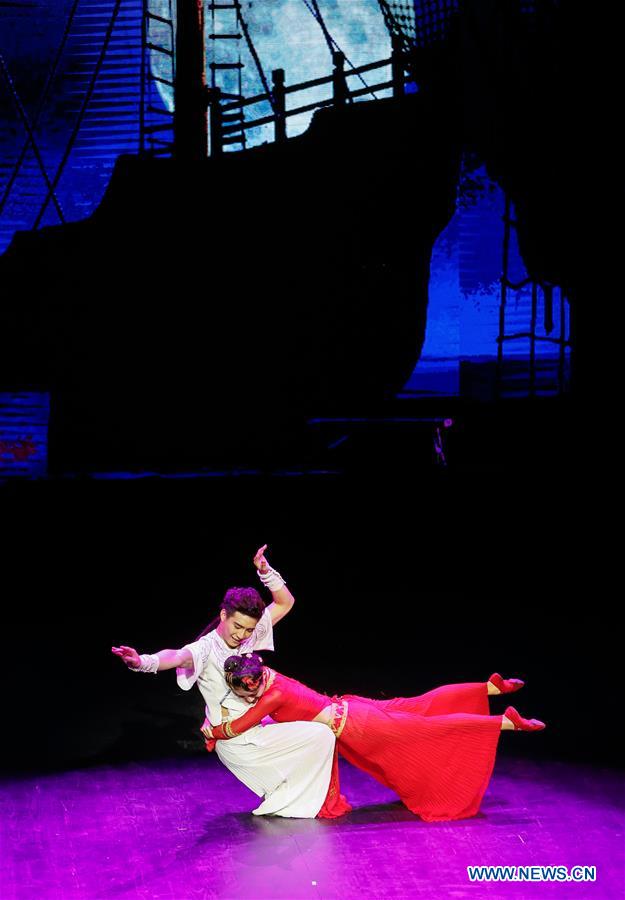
180, 828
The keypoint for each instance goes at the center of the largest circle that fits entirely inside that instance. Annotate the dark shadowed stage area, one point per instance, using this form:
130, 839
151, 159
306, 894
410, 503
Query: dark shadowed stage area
403, 581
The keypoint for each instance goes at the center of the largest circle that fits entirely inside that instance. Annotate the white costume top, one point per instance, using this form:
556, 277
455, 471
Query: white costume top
288, 764
209, 655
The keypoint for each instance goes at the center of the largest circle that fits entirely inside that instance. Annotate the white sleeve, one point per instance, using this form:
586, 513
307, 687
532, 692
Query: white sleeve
200, 651
262, 636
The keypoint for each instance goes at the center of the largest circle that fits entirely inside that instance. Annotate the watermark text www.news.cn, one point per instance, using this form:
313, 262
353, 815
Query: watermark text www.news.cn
532, 873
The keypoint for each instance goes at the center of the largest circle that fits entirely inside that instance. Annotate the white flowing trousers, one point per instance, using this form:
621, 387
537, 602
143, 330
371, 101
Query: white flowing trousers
288, 764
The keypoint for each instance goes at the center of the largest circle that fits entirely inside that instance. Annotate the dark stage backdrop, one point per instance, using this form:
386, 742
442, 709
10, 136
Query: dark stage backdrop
402, 583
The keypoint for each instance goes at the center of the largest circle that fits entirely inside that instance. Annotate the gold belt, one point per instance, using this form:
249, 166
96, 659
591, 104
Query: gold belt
339, 716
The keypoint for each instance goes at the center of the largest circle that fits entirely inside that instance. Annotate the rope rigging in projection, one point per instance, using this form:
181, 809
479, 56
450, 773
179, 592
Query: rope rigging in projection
83, 109
4, 71
38, 112
313, 8
419, 23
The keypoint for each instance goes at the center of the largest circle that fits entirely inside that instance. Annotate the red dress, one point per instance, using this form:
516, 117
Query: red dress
437, 751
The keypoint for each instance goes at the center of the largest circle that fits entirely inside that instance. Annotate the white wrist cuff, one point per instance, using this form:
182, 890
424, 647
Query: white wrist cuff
149, 663
272, 579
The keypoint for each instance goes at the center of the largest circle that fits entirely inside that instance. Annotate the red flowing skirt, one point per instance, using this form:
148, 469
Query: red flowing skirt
335, 803
437, 751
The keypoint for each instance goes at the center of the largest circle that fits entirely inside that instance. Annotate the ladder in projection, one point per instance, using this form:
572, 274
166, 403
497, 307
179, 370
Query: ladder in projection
541, 374
224, 46
157, 121
85, 117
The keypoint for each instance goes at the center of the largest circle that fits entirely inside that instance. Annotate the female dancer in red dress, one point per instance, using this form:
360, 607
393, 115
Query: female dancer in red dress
437, 751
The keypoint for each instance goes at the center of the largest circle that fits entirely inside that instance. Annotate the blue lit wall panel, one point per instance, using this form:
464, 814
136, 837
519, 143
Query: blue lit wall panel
23, 434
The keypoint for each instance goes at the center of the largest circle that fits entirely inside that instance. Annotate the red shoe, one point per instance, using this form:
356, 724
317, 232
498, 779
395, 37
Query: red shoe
521, 724
506, 685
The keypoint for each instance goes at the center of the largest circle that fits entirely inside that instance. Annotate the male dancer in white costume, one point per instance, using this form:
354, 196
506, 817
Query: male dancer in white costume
288, 764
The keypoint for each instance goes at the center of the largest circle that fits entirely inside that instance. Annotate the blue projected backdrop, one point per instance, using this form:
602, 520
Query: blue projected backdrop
51, 53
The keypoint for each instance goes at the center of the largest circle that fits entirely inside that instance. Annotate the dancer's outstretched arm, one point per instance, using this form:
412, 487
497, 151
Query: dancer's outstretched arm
282, 603
154, 662
263, 707
282, 598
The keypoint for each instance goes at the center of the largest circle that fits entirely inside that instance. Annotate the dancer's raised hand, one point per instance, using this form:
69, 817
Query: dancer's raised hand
128, 655
259, 560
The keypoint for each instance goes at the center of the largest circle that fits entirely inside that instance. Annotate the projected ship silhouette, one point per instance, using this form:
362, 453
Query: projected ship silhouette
210, 305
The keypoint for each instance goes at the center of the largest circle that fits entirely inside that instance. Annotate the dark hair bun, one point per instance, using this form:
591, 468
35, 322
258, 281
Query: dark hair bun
250, 665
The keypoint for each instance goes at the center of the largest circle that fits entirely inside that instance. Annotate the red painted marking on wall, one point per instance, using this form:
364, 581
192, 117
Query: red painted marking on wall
20, 449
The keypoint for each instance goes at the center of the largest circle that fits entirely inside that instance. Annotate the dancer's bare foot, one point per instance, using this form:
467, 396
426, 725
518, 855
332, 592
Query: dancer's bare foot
498, 685
514, 721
